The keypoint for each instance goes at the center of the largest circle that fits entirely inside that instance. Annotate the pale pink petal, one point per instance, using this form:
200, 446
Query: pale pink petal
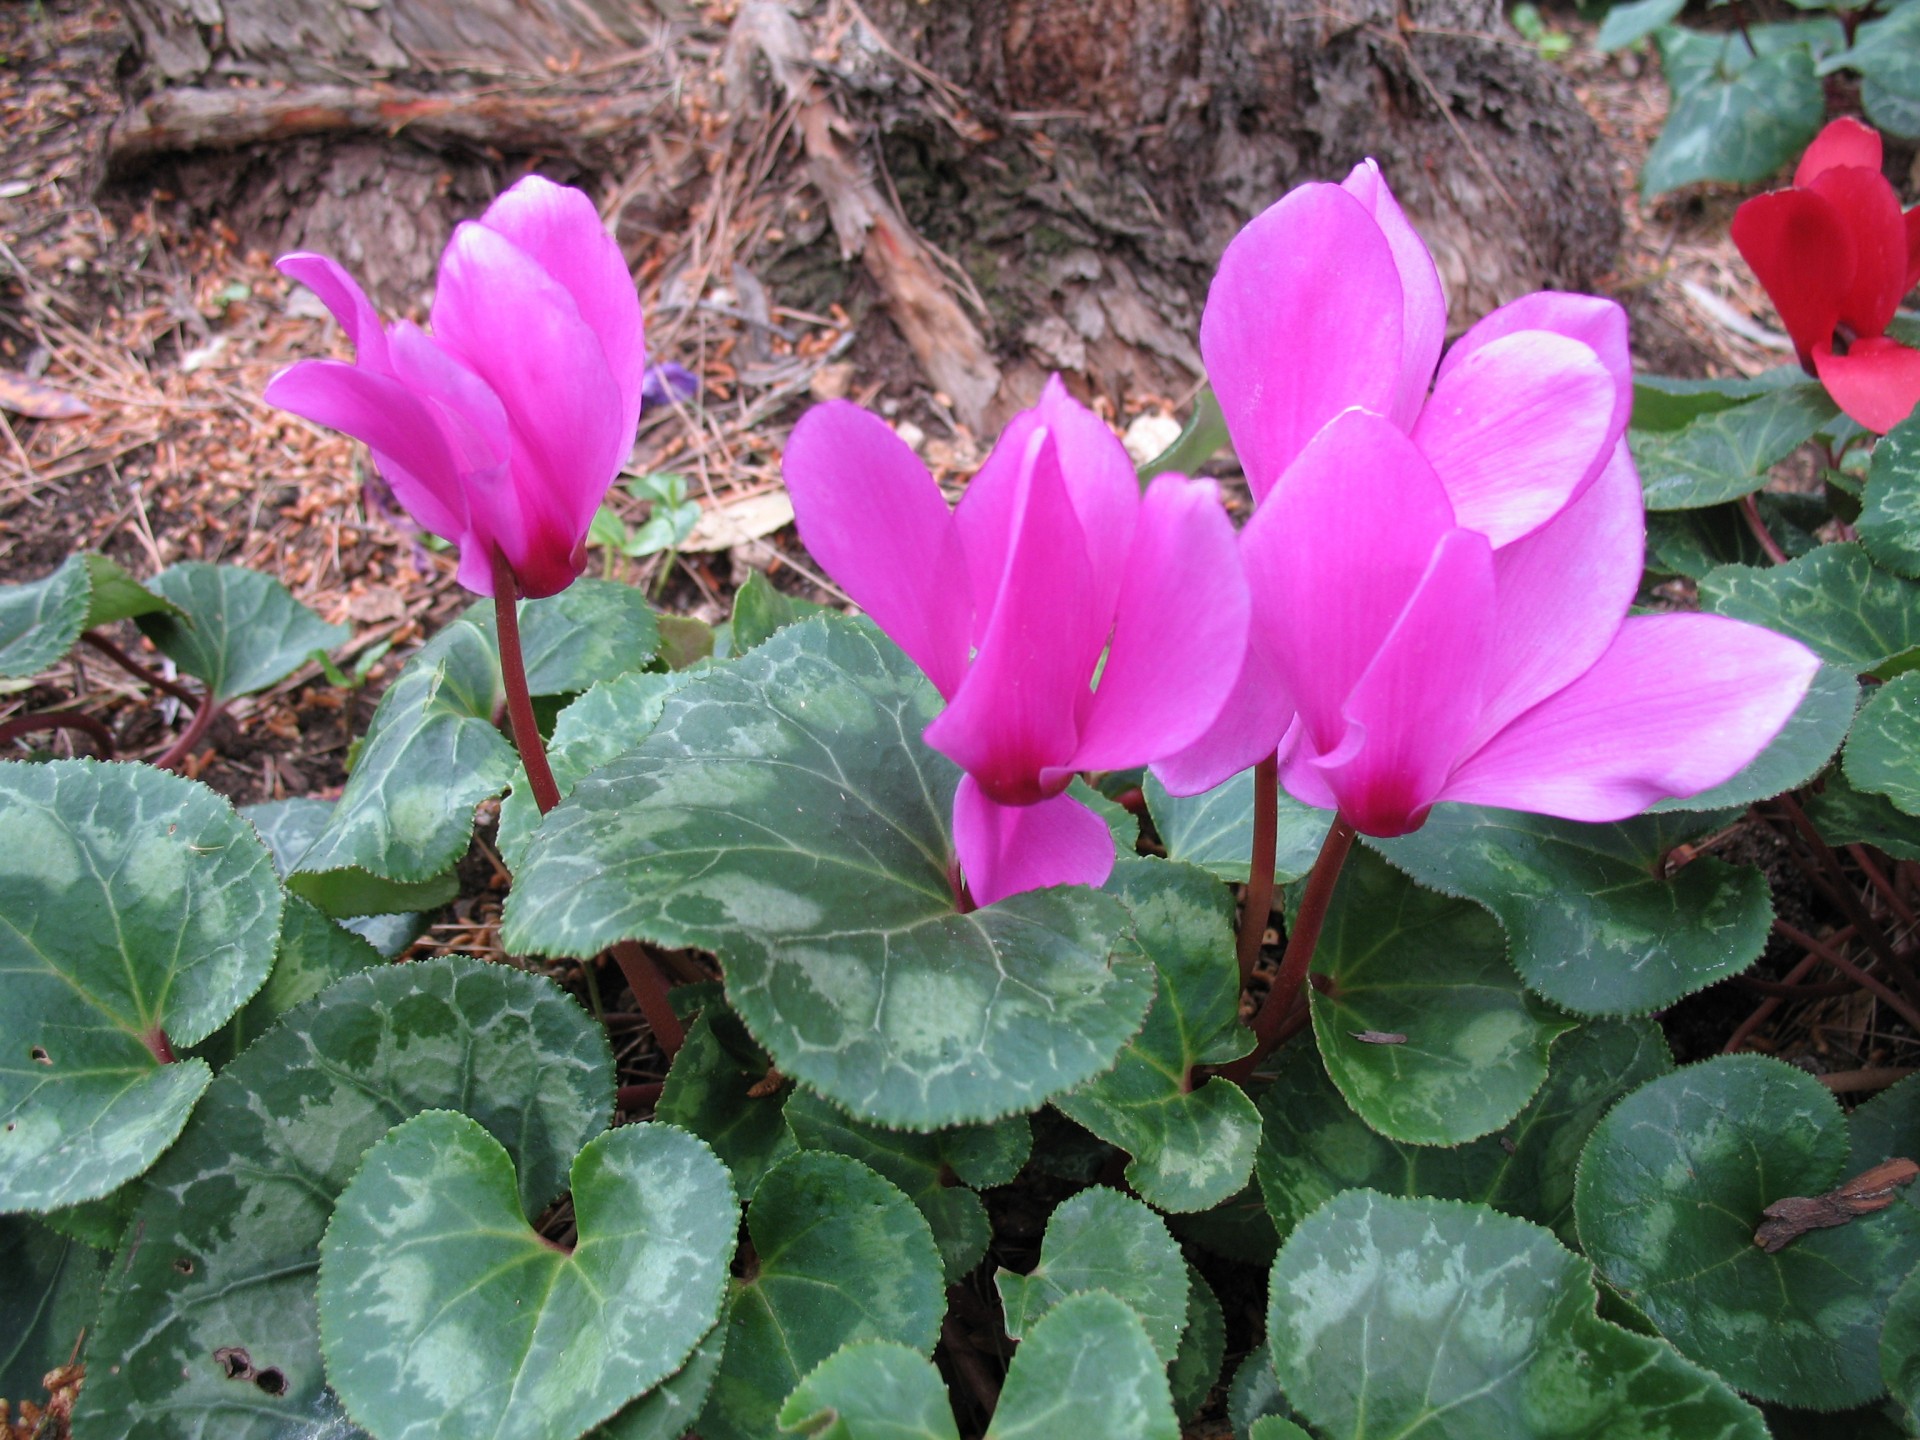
1017, 714
1334, 554
1411, 713
1517, 429
1250, 726
1179, 632
1561, 595
1676, 705
558, 227
1007, 849
1424, 303
342, 295
1302, 321
870, 513
1845, 141
1877, 381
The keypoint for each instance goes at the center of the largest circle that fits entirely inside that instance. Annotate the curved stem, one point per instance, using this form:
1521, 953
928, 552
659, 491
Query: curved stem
206, 707
1302, 937
649, 988
139, 672
513, 673
1258, 907
1750, 511
60, 720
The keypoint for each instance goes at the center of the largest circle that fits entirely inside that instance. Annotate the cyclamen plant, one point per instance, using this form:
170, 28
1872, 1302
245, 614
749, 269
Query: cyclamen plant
950, 963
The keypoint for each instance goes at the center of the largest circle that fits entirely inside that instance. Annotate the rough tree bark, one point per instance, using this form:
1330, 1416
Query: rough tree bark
1025, 185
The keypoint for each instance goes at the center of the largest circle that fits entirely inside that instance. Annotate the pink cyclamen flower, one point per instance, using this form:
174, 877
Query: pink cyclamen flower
1836, 255
502, 430
1052, 569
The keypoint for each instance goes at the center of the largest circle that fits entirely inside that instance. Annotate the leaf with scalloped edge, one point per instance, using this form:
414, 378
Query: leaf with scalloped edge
1203, 1346
1835, 600
1593, 926
1883, 753
1735, 115
1727, 453
785, 815
1088, 1367
1214, 829
1889, 523
225, 1246
238, 629
51, 1292
708, 1091
137, 912
291, 826
592, 631
443, 1313
871, 1390
1846, 816
40, 620
313, 953
1391, 1317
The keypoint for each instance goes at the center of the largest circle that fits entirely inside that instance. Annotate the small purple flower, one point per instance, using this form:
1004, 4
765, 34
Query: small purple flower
667, 382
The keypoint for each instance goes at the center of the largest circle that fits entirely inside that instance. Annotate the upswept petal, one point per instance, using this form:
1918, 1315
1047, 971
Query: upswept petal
1561, 594
1302, 321
342, 295
1677, 704
1179, 628
984, 515
1803, 255
1007, 849
1018, 711
472, 417
1415, 706
1423, 312
1870, 210
1517, 429
1877, 381
870, 513
558, 227
1252, 722
1334, 554
1845, 141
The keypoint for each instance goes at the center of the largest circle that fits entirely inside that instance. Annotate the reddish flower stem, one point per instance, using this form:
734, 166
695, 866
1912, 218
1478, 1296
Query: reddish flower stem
1750, 511
1833, 880
1853, 972
1259, 902
1766, 1007
1302, 937
60, 720
205, 708
643, 976
139, 672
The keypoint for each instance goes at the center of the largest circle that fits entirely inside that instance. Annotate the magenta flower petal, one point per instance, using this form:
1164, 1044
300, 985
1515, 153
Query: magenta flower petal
1562, 593
1304, 319
1516, 430
1333, 556
1017, 713
342, 295
871, 514
1182, 605
559, 229
1250, 726
1877, 381
1006, 849
1418, 701
1676, 705
1423, 313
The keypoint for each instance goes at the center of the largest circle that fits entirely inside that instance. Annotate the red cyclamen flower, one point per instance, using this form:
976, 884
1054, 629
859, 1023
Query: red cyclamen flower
502, 430
1836, 255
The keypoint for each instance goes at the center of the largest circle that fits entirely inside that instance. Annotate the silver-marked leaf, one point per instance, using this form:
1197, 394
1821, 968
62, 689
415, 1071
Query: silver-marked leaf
291, 826
116, 595
1391, 1317
313, 953
667, 1411
759, 610
1627, 24
1192, 1146
51, 1291
1793, 757
1103, 1240
1087, 1368
406, 816
238, 630
40, 620
1889, 523
841, 1256
1399, 961
1203, 1346
786, 815
1883, 753
1736, 115
137, 913
708, 1091
1214, 830
1593, 926
1726, 454
1834, 600
592, 631
609, 720
1884, 51
871, 1390
1666, 402
1313, 1146
1273, 1427
443, 1313
1889, 109
1900, 1345
223, 1254
1846, 816
1254, 1394
1672, 1186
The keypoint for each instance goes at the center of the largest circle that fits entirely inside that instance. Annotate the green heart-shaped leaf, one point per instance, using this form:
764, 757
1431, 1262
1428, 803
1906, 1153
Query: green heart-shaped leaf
1726, 454
238, 630
443, 1314
708, 1092
759, 610
1103, 1240
39, 621
1835, 600
592, 631
786, 815
1883, 753
871, 1390
1087, 1368
137, 912
1391, 1317
116, 595
1900, 1345
1203, 1346
1671, 1189
1846, 816
1885, 51
1593, 926
1793, 757
224, 1250
1399, 961
51, 1292
667, 1411
1214, 830
313, 953
1629, 23
841, 1255
1889, 523
1741, 107
1192, 1146
291, 826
